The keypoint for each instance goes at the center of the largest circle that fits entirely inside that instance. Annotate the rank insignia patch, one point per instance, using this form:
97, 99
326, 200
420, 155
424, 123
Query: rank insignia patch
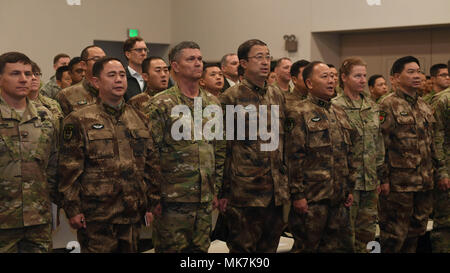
382, 116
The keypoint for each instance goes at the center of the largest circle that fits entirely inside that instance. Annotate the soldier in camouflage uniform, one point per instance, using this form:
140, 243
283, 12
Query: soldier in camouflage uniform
191, 168
367, 150
321, 173
109, 168
156, 75
377, 87
83, 93
299, 92
440, 80
28, 161
409, 172
255, 192
51, 88
440, 235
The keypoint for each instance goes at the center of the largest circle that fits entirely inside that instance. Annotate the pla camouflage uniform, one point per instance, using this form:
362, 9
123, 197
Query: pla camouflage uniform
77, 96
368, 154
440, 235
192, 171
321, 171
109, 170
28, 161
51, 88
407, 126
255, 181
142, 101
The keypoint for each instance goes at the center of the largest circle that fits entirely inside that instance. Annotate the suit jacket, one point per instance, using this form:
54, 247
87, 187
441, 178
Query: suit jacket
226, 84
133, 86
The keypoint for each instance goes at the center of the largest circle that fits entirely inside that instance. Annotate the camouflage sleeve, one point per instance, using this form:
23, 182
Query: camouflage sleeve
387, 124
51, 170
296, 153
220, 150
440, 112
351, 163
152, 175
225, 150
71, 165
63, 103
380, 150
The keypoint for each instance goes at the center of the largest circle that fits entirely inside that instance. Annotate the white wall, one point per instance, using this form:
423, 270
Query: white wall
42, 29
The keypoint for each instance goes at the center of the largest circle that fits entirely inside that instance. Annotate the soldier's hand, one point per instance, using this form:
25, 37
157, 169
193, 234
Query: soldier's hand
385, 189
300, 206
444, 184
77, 221
157, 211
223, 204
215, 203
349, 201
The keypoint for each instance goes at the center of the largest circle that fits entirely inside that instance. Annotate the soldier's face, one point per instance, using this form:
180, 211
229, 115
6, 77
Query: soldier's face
272, 78
212, 79
356, 80
410, 77
112, 82
15, 81
157, 76
442, 79
138, 53
35, 81
94, 54
189, 64
321, 82
284, 70
78, 72
335, 75
231, 67
379, 88
298, 81
257, 64
66, 80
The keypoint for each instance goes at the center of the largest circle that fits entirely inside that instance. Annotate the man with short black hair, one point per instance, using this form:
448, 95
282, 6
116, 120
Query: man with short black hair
28, 162
440, 80
135, 50
212, 79
377, 87
63, 79
83, 93
300, 92
411, 168
77, 70
51, 88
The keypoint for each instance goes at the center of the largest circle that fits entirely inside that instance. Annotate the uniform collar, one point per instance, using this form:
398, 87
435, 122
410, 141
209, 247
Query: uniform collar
255, 88
320, 102
87, 85
408, 98
111, 110
364, 101
7, 112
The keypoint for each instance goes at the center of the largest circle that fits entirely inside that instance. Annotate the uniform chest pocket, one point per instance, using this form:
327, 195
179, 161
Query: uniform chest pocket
101, 143
406, 131
318, 133
140, 137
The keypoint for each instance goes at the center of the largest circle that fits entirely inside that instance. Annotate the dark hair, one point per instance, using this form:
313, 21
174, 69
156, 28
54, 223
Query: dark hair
35, 67
279, 61
100, 64
240, 71
347, 66
73, 62
59, 56
295, 68
60, 71
146, 63
331, 66
307, 72
12, 58
400, 63
223, 61
209, 65
373, 79
434, 70
129, 43
245, 48
85, 52
175, 51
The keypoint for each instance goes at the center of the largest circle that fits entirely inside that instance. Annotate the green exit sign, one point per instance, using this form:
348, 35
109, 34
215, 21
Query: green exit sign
133, 33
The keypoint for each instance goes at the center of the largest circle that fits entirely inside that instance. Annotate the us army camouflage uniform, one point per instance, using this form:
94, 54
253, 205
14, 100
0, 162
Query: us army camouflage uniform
320, 170
427, 98
192, 172
407, 127
255, 181
440, 235
28, 161
294, 96
51, 88
110, 171
54, 107
77, 96
368, 154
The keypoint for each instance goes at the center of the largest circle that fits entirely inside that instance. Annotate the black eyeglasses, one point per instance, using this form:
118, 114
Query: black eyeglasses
140, 50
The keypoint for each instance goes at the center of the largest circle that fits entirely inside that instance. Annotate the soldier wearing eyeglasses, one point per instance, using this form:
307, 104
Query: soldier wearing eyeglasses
83, 93
135, 50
